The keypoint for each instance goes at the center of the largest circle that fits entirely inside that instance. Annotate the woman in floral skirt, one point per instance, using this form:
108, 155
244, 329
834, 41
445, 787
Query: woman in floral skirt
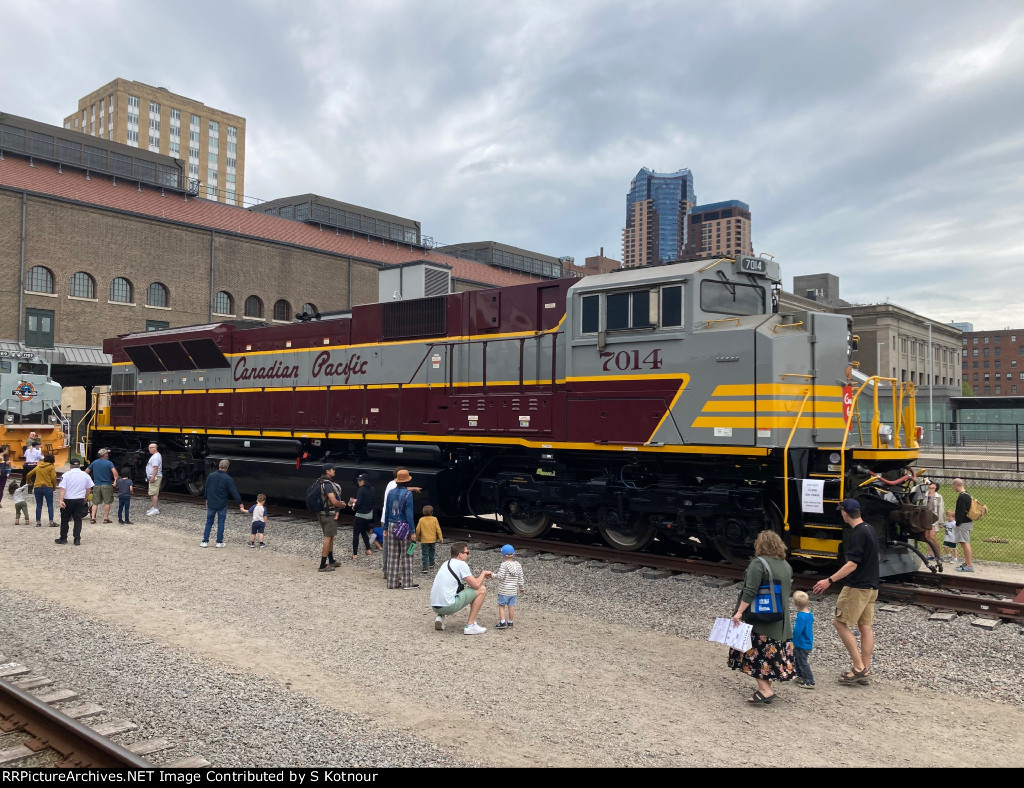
770, 657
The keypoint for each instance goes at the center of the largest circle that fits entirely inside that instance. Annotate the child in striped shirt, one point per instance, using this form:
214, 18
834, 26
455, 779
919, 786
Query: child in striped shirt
511, 583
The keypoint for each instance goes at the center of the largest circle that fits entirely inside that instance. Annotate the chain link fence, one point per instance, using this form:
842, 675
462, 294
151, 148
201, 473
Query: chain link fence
999, 535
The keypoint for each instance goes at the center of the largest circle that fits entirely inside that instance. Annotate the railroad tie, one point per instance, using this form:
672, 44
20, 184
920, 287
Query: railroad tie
149, 746
57, 695
83, 710
12, 669
113, 727
14, 754
188, 763
34, 683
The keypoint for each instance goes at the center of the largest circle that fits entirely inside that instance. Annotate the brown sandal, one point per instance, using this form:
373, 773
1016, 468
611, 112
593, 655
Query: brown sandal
856, 676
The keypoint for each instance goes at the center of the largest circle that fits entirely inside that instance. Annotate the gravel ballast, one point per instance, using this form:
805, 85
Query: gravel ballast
252, 658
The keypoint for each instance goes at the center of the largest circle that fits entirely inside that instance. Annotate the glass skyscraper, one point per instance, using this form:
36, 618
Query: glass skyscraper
656, 208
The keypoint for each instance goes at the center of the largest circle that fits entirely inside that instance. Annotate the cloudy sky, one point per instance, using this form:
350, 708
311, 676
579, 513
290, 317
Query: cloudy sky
879, 141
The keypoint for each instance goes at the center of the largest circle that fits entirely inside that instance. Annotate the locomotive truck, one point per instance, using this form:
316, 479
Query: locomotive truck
672, 403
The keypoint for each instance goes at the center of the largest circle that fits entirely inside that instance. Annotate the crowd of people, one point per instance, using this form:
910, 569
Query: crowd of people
781, 642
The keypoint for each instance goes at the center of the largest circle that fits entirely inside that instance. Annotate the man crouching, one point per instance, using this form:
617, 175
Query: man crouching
455, 587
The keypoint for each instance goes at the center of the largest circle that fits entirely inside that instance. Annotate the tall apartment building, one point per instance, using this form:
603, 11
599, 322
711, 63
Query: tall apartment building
719, 228
656, 209
993, 361
210, 141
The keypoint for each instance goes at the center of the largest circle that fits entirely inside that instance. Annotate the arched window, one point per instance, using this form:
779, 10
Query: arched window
223, 303
253, 307
310, 309
282, 310
156, 295
82, 285
40, 280
121, 290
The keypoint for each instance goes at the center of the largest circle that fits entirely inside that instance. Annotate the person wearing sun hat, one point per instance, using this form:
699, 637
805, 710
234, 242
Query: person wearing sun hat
398, 508
855, 606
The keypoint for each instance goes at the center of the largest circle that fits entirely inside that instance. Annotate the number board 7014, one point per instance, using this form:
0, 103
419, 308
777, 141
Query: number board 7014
627, 360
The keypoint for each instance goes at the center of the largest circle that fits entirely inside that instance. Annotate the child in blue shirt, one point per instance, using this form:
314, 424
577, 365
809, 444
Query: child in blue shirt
124, 496
803, 639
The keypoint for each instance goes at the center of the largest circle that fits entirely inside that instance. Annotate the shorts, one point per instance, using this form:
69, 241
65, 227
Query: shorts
463, 598
259, 527
949, 544
103, 493
328, 524
506, 600
154, 486
963, 532
856, 606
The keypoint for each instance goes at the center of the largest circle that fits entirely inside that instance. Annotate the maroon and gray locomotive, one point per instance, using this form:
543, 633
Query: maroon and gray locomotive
673, 403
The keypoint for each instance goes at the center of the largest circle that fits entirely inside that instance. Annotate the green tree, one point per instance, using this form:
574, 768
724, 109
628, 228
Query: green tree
967, 390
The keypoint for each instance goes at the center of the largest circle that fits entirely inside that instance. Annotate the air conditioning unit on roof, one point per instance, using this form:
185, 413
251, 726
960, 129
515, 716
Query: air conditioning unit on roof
414, 280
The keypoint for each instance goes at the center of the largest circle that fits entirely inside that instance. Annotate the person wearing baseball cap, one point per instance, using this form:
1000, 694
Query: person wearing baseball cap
855, 606
330, 495
74, 487
104, 476
511, 583
362, 509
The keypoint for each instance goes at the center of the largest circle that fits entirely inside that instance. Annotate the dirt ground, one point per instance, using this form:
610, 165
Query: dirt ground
560, 690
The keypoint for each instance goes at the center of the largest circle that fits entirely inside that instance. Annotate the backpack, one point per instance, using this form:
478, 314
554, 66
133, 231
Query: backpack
977, 510
400, 529
315, 498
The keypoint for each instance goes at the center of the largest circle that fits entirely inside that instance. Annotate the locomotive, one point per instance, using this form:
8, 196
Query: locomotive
30, 402
674, 404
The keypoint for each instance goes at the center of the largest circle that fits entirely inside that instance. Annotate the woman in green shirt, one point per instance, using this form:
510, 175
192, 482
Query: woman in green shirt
770, 657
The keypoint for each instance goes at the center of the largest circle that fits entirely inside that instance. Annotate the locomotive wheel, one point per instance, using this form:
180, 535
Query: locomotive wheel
196, 485
628, 536
532, 527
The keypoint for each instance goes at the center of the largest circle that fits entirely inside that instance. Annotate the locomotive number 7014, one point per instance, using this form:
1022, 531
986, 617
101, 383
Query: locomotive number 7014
630, 359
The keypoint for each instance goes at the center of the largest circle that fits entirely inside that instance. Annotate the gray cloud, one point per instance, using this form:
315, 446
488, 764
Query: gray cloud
879, 141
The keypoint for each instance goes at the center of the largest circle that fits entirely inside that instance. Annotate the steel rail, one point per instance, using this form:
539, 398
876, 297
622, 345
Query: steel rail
80, 745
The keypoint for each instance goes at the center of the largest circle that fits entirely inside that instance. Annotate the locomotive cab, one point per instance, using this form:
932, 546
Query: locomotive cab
30, 403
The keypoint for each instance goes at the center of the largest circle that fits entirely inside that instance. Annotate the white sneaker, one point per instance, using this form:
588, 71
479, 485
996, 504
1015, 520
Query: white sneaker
152, 510
204, 544
474, 629
220, 544
439, 623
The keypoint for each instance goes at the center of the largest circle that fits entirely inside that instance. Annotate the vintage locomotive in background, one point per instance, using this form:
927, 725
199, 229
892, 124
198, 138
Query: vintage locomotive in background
673, 403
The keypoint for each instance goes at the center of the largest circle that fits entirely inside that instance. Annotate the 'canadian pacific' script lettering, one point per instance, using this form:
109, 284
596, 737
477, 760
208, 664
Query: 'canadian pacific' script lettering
353, 365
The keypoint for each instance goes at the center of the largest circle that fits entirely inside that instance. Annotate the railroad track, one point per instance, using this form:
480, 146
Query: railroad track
34, 733
947, 591
943, 592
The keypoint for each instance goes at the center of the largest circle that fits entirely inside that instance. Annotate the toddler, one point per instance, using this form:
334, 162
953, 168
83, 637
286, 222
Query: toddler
428, 534
949, 538
377, 538
511, 583
20, 495
259, 520
803, 639
124, 496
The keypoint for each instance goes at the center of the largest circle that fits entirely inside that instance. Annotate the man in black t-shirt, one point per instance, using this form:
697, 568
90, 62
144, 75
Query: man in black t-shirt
856, 603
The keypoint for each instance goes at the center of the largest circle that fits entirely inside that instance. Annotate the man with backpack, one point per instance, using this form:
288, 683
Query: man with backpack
964, 524
324, 497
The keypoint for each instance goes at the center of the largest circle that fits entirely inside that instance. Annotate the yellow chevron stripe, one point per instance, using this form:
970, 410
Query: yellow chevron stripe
769, 422
774, 389
766, 406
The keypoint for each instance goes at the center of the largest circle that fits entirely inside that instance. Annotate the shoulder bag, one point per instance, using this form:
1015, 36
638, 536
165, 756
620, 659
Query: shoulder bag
767, 605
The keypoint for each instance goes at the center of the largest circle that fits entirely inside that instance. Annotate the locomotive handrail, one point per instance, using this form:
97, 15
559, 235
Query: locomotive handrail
777, 326
796, 375
708, 323
785, 462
